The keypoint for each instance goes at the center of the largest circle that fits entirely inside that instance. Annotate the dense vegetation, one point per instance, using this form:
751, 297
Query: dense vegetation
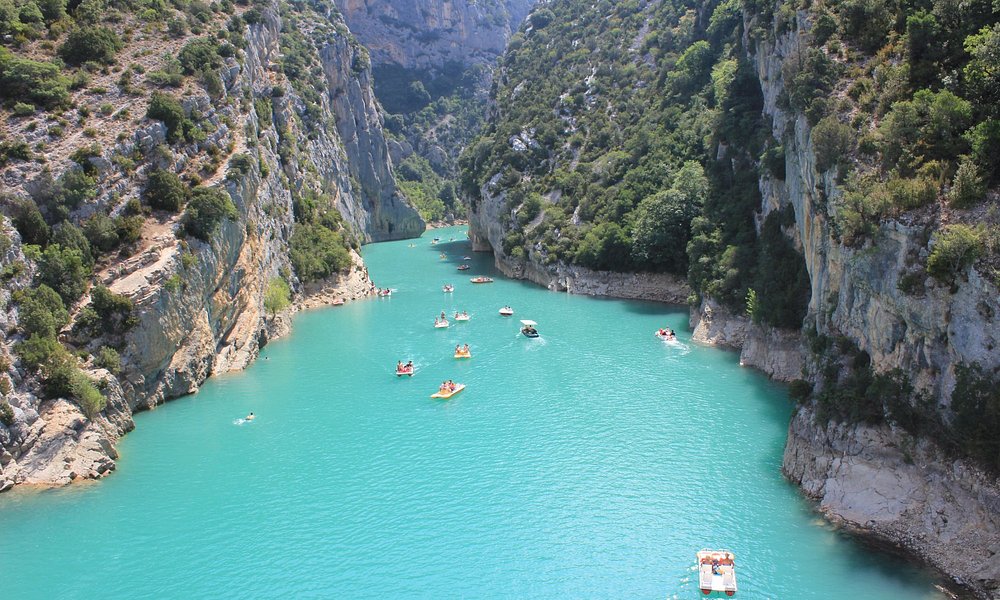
605, 109
637, 149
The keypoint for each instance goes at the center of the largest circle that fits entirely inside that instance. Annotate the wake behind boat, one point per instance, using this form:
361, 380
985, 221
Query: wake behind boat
716, 573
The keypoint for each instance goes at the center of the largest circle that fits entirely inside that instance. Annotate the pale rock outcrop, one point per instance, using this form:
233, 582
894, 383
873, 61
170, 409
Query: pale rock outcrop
906, 491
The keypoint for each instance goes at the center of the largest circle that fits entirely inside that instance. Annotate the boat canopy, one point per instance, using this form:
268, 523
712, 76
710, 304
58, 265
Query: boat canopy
527, 323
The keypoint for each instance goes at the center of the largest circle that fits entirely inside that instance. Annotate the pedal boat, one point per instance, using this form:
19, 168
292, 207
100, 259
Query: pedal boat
447, 288
716, 573
444, 395
462, 316
506, 311
404, 371
461, 354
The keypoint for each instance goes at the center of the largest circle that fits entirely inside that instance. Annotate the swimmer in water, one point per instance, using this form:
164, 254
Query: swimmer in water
250, 417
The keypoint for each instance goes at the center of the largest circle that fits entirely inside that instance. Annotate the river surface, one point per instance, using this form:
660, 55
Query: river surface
592, 462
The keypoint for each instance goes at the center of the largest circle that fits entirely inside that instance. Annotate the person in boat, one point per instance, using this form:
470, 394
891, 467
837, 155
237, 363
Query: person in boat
443, 316
451, 386
250, 417
409, 365
399, 365
465, 349
457, 348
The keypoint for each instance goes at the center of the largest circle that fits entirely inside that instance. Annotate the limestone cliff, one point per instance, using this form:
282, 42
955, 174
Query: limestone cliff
200, 304
427, 34
880, 478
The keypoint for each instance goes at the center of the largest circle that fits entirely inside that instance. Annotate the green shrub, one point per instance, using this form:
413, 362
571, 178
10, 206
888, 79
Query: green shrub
199, 55
928, 127
278, 296
967, 189
6, 413
63, 270
241, 164
23, 109
41, 311
953, 250
37, 350
166, 108
165, 191
16, 149
985, 139
68, 235
91, 43
129, 228
101, 232
90, 399
115, 311
30, 224
317, 252
207, 208
800, 390
832, 141
40, 83
108, 358
981, 77
606, 246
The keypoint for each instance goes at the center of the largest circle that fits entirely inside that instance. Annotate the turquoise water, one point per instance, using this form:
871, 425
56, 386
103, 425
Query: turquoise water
590, 463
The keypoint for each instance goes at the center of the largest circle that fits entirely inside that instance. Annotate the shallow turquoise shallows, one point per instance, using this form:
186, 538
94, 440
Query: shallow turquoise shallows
592, 462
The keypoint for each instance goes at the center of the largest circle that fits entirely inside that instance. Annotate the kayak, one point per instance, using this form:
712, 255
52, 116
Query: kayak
445, 395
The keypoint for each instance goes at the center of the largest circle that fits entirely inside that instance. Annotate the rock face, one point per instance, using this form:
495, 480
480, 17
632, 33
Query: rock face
879, 478
201, 304
904, 490
427, 34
